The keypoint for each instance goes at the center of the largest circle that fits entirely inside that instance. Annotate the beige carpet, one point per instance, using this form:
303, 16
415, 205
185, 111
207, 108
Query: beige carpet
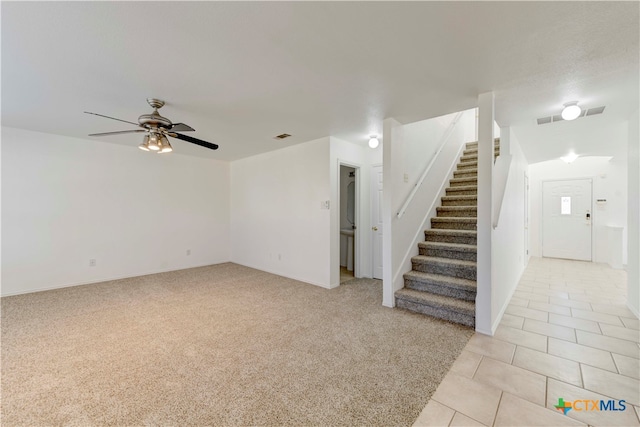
219, 345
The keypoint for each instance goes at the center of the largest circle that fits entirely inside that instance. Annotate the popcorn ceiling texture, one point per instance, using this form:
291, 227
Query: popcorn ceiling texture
219, 345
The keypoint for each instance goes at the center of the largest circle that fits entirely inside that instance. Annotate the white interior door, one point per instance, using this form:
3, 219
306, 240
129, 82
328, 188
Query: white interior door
566, 219
376, 220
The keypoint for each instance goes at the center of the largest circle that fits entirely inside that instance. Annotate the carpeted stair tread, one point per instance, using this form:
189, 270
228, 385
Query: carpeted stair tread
454, 223
463, 181
446, 266
462, 190
452, 262
451, 236
468, 165
453, 305
454, 282
460, 200
466, 173
459, 251
456, 211
451, 246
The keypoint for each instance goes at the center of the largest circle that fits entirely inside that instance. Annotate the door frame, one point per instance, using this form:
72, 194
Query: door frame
372, 189
357, 267
541, 238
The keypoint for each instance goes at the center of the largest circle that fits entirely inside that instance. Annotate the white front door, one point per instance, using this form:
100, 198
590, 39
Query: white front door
566, 219
376, 220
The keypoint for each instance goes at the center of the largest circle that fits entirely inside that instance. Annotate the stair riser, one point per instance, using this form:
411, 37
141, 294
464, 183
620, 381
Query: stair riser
439, 289
467, 165
435, 237
472, 158
467, 212
464, 181
438, 312
466, 173
464, 202
435, 267
452, 226
451, 254
452, 191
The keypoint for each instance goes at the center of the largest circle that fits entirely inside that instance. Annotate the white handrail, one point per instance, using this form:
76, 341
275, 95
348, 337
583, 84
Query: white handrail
445, 138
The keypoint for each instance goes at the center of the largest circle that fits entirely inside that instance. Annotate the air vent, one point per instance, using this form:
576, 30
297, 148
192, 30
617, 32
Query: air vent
282, 136
597, 110
558, 118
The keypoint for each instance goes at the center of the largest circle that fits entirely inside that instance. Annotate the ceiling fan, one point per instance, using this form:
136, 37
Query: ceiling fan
156, 129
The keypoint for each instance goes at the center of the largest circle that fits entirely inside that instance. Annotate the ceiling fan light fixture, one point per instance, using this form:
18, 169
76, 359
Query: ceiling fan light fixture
143, 147
165, 146
571, 111
151, 141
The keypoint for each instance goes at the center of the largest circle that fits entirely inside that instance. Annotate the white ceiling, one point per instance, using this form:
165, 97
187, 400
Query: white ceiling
241, 73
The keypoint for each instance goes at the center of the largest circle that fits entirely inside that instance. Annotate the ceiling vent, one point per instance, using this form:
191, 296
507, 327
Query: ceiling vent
282, 136
558, 118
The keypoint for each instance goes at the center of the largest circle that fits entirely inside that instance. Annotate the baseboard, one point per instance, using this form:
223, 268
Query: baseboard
107, 279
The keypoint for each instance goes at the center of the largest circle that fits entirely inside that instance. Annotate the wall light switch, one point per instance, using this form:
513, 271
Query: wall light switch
406, 177
324, 204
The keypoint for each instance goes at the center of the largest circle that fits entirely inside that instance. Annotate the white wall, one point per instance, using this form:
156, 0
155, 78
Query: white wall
609, 177
358, 156
277, 222
67, 200
633, 266
508, 259
408, 149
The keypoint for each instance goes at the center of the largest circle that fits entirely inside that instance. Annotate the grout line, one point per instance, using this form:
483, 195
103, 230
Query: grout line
615, 364
582, 375
495, 416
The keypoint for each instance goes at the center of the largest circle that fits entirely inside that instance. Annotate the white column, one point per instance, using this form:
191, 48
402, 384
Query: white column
633, 215
391, 144
485, 208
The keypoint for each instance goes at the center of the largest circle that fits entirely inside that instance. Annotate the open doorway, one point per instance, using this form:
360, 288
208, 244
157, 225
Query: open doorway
348, 215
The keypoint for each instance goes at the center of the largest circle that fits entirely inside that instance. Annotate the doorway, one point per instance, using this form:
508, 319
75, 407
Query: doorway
376, 221
348, 215
567, 219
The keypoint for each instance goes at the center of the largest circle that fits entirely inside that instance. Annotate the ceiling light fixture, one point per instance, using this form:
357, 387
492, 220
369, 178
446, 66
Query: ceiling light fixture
571, 111
155, 142
373, 141
569, 158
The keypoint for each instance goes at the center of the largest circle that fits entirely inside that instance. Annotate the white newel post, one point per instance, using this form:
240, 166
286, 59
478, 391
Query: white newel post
485, 214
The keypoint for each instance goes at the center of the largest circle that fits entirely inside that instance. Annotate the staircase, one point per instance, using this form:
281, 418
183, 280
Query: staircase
442, 282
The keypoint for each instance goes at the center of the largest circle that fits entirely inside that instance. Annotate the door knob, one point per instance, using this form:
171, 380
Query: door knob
374, 228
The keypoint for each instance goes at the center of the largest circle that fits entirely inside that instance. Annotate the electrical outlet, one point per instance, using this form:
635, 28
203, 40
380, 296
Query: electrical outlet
92, 262
188, 252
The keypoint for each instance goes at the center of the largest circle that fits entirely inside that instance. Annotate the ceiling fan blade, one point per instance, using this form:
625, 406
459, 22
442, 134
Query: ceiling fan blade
181, 127
113, 118
117, 132
195, 141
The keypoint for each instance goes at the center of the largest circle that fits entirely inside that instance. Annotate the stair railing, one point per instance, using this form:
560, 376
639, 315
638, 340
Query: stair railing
445, 137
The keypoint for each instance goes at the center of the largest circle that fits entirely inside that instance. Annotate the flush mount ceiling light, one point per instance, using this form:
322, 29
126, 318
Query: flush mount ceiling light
373, 141
571, 111
569, 158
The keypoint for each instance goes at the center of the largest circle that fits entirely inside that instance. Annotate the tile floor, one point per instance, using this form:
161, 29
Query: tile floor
567, 333
345, 274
